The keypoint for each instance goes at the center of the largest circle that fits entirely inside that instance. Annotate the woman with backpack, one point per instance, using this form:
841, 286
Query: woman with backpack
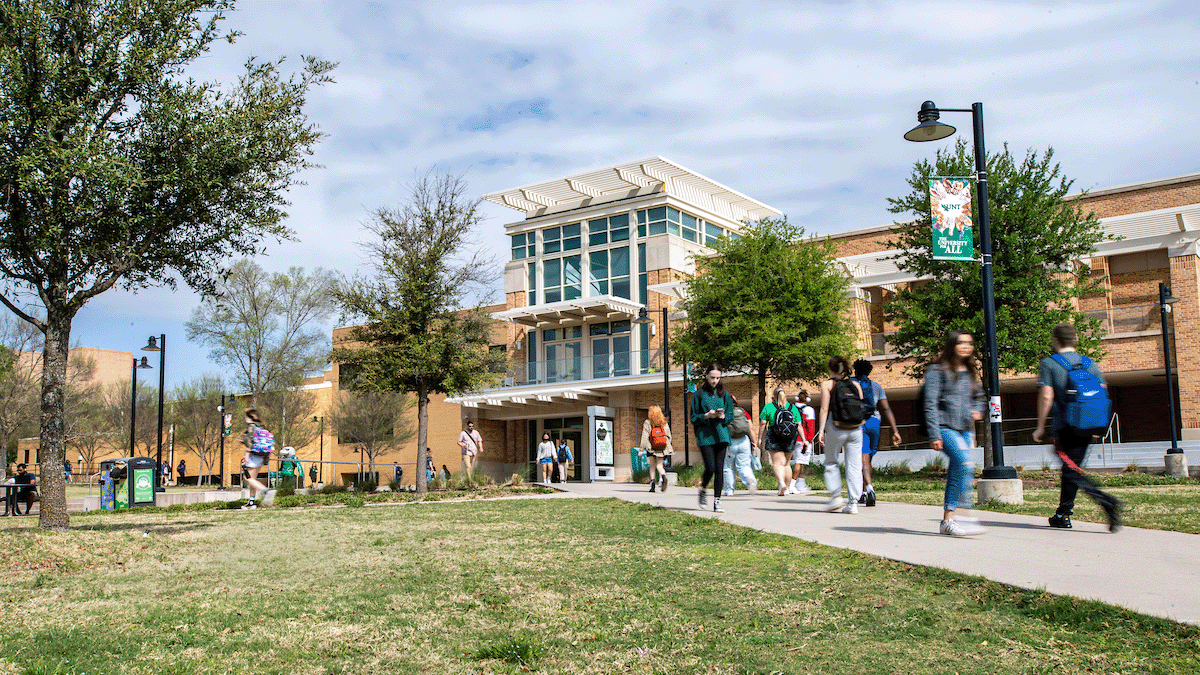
259, 444
954, 402
840, 421
778, 427
711, 411
656, 439
742, 446
545, 456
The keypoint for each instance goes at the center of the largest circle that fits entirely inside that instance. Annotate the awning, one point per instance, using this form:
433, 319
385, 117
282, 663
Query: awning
571, 311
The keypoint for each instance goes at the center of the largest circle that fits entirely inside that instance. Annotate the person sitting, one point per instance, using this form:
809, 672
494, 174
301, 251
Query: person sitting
29, 494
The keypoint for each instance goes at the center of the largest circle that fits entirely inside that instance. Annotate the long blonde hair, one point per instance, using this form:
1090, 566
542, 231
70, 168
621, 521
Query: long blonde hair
656, 416
780, 398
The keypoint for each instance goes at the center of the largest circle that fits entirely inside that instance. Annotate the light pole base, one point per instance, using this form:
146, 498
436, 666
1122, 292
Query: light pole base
1000, 490
1176, 464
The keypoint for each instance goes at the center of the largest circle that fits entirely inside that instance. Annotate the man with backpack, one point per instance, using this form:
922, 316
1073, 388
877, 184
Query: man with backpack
803, 450
259, 443
1072, 388
875, 399
839, 429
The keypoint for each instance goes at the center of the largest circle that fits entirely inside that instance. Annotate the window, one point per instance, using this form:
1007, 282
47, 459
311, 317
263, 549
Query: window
562, 279
523, 245
643, 278
609, 272
563, 347
610, 348
690, 229
653, 221
612, 229
531, 273
551, 240
571, 238
712, 233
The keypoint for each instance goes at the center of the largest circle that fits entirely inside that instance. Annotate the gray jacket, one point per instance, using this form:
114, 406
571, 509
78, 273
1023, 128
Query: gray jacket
949, 403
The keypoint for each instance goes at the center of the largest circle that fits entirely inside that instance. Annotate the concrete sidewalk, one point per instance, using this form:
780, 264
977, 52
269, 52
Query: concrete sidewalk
1149, 571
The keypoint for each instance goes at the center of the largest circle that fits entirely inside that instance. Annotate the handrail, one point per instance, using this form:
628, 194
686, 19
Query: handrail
1106, 441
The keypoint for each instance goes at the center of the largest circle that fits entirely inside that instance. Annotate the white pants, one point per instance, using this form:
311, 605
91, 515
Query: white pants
737, 458
848, 441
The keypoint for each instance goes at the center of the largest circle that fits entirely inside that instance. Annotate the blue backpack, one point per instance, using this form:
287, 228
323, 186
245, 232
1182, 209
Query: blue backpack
868, 394
1088, 406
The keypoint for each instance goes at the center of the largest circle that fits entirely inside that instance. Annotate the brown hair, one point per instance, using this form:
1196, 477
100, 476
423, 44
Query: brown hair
838, 365
656, 416
252, 414
1066, 334
949, 357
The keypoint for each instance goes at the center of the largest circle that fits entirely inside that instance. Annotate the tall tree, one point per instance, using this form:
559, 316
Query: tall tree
771, 302
374, 422
118, 169
1039, 240
416, 335
288, 413
266, 328
197, 423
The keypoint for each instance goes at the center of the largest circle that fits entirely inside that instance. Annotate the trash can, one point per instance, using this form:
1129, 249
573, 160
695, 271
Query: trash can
126, 482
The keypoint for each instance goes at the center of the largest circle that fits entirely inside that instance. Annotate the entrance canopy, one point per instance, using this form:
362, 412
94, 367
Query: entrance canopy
579, 310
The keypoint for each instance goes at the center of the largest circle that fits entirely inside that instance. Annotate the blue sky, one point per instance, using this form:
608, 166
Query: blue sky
800, 105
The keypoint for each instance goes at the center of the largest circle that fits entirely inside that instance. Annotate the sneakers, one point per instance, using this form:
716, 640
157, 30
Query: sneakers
836, 504
1060, 521
850, 508
801, 487
870, 498
268, 498
1112, 510
753, 488
862, 499
653, 485
951, 528
249, 505
703, 498
717, 506
791, 489
662, 483
969, 525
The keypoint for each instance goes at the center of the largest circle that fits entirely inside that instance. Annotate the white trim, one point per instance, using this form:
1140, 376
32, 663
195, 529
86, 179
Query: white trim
570, 311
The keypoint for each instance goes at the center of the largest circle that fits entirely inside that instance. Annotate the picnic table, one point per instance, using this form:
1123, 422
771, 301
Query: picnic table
12, 492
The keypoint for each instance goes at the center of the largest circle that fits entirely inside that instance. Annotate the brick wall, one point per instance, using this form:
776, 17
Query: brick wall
1107, 205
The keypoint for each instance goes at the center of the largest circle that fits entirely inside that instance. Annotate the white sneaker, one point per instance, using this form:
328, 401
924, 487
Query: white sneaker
717, 506
850, 508
836, 504
753, 488
249, 505
268, 498
791, 489
951, 528
802, 488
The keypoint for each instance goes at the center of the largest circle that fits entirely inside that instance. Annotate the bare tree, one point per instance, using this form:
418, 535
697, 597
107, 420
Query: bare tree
288, 413
374, 422
267, 328
116, 407
197, 422
20, 379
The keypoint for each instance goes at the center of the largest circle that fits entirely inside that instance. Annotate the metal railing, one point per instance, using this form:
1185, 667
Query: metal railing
1128, 319
580, 368
1111, 437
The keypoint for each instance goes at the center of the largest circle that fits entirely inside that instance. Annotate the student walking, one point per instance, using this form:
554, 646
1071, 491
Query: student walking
259, 443
564, 459
954, 402
1064, 379
803, 451
742, 446
656, 440
840, 421
711, 411
778, 428
876, 399
545, 457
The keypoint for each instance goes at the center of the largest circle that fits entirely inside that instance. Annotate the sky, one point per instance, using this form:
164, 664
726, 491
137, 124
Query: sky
800, 105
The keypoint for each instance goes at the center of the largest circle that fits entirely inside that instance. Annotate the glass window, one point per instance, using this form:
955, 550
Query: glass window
550, 334
552, 280
518, 247
641, 223
598, 232
552, 240
711, 234
672, 215
571, 238
655, 220
572, 277
609, 272
690, 230
643, 278
618, 227
620, 327
599, 272
531, 273
572, 332
598, 329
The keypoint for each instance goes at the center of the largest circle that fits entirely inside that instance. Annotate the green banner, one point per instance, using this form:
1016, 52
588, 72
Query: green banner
952, 215
143, 485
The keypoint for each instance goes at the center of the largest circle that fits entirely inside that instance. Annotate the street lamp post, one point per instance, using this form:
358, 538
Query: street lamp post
644, 318
161, 348
321, 463
221, 467
1165, 300
930, 129
133, 404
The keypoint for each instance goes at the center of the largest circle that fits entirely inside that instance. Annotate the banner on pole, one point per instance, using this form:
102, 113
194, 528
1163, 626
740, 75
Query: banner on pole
952, 214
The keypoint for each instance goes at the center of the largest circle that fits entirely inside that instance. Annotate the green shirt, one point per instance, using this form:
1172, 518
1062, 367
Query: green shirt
290, 467
710, 431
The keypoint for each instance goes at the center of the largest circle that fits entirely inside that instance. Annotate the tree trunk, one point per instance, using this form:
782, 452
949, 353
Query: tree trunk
50, 452
762, 388
422, 435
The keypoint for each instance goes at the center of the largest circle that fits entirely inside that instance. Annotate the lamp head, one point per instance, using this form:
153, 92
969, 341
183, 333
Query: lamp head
643, 317
1165, 295
929, 129
143, 365
152, 345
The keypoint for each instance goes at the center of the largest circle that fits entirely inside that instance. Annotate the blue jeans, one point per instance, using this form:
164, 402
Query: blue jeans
737, 458
870, 429
957, 446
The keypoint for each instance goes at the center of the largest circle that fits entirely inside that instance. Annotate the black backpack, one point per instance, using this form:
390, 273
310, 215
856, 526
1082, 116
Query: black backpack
784, 430
847, 403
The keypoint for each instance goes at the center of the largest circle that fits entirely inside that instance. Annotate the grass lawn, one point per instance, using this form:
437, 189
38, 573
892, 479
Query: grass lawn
522, 585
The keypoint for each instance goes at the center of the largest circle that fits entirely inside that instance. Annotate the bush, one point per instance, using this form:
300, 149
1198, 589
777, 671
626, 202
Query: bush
333, 489
516, 480
642, 476
367, 484
395, 485
900, 469
689, 476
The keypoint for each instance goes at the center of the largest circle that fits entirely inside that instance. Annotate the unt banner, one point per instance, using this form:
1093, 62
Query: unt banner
950, 207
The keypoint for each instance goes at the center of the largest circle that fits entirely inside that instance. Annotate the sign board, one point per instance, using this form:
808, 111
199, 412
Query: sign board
952, 215
143, 485
994, 406
604, 442
227, 422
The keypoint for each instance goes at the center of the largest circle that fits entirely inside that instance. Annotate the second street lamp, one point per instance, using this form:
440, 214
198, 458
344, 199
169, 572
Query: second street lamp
644, 318
133, 404
930, 129
161, 348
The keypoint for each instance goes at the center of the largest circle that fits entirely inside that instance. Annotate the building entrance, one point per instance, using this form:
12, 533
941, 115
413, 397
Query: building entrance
571, 430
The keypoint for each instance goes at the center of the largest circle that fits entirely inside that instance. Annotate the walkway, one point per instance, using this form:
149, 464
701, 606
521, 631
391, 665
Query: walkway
1149, 571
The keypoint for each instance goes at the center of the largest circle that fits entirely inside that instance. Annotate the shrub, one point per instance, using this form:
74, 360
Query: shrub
367, 484
516, 480
513, 650
333, 489
642, 476
689, 476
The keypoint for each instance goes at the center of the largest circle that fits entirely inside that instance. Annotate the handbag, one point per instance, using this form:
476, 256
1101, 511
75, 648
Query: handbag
756, 461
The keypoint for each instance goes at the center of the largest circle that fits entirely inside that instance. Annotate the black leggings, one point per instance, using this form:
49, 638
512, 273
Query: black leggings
714, 465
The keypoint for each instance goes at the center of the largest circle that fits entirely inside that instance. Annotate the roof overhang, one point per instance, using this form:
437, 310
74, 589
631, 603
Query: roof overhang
571, 311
